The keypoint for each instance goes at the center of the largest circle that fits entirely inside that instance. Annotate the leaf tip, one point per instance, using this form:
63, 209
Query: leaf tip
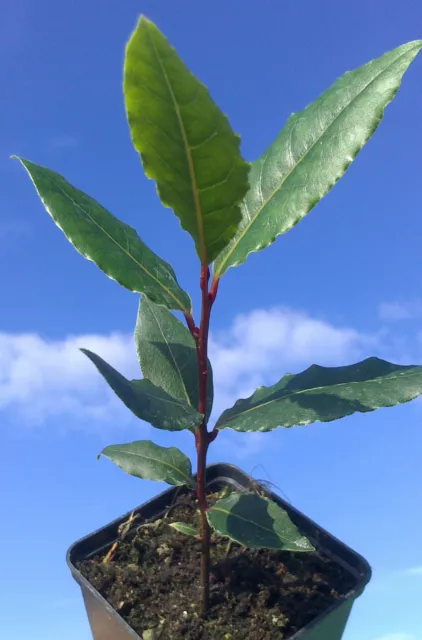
19, 159
142, 22
144, 18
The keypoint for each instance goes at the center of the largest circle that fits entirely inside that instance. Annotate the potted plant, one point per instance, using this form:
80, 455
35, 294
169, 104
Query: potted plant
217, 556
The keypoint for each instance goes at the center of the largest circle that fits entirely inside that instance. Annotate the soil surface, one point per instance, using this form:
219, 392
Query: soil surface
152, 579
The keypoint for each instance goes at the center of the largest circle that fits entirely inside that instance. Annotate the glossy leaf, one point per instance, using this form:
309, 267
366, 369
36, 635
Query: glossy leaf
313, 151
324, 394
167, 354
144, 459
184, 140
256, 522
147, 401
114, 246
186, 529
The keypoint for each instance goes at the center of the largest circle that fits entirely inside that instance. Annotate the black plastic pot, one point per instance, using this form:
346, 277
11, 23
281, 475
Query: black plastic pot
107, 624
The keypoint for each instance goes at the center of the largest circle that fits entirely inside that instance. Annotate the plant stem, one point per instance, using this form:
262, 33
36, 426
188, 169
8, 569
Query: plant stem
202, 437
204, 583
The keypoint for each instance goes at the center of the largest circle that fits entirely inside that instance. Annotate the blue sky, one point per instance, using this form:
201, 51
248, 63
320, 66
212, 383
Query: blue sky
343, 284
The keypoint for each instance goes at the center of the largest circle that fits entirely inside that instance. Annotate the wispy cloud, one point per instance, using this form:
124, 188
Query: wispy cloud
396, 311
42, 378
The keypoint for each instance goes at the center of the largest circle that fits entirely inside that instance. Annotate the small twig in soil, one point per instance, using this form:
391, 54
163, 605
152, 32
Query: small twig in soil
150, 525
122, 531
110, 553
229, 546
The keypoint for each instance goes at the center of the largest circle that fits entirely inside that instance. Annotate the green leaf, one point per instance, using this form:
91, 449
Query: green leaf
312, 152
324, 394
147, 460
184, 140
147, 401
185, 528
167, 354
256, 523
100, 237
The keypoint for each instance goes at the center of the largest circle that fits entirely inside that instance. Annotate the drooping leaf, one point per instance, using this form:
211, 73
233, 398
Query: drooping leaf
184, 140
147, 401
313, 151
185, 528
144, 459
167, 354
114, 246
324, 394
256, 522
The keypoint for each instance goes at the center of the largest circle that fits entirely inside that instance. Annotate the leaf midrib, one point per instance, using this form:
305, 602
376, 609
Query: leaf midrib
252, 522
195, 191
127, 253
138, 455
172, 356
170, 400
301, 391
85, 212
273, 193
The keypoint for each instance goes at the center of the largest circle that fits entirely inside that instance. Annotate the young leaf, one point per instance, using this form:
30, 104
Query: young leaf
313, 151
100, 237
149, 461
324, 394
185, 528
185, 142
146, 401
167, 354
257, 523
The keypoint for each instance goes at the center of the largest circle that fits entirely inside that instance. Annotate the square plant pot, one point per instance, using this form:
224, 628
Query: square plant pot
107, 624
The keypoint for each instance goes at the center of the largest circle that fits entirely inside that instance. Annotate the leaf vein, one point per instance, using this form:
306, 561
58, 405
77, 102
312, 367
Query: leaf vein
304, 155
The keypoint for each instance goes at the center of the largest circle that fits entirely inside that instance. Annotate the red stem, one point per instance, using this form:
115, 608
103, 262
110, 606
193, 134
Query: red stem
202, 436
191, 326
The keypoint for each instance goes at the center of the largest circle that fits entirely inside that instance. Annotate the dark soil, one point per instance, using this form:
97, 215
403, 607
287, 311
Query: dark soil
152, 580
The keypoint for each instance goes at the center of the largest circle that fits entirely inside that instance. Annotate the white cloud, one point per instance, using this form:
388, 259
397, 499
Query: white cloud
42, 378
264, 344
396, 311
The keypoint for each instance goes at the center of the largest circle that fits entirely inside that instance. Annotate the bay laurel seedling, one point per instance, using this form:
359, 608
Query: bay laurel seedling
231, 209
